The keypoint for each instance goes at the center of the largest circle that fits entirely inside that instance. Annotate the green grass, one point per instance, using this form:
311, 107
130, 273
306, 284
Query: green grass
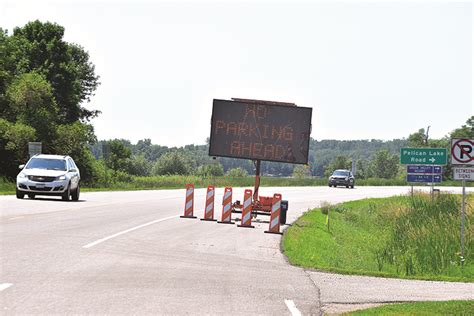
6, 187
392, 237
178, 182
421, 308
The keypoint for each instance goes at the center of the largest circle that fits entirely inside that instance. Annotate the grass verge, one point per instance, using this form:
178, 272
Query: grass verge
393, 237
421, 308
6, 187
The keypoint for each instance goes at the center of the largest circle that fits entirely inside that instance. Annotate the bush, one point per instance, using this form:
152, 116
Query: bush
172, 163
139, 166
214, 170
237, 173
301, 171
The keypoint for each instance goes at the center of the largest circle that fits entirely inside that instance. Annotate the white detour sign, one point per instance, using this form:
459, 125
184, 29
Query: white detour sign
463, 173
462, 151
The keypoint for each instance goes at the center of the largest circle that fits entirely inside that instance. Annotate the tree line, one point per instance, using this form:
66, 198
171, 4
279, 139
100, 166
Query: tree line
372, 158
45, 83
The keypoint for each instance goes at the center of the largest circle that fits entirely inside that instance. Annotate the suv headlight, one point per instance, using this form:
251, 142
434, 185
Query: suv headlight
347, 178
63, 177
22, 175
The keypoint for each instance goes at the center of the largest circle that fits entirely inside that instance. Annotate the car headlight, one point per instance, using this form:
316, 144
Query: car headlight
21, 175
347, 178
63, 177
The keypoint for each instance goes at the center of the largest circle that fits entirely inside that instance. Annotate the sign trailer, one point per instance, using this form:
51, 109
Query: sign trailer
260, 130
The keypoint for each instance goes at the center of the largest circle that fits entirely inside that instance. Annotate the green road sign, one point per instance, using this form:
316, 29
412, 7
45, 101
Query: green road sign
423, 156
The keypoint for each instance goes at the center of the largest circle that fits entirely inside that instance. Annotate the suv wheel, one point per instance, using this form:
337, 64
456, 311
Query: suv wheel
75, 194
67, 193
19, 194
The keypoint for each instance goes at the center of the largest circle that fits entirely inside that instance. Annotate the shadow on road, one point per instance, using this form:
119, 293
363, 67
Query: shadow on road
52, 199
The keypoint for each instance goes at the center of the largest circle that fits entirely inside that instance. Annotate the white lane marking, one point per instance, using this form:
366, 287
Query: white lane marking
92, 244
17, 217
292, 307
5, 286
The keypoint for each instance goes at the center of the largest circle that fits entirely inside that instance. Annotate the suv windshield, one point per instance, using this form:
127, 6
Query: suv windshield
48, 164
341, 173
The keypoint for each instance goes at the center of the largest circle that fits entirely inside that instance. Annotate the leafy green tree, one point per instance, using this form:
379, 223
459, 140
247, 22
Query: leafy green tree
32, 103
117, 155
237, 173
212, 170
139, 166
340, 162
14, 138
466, 131
362, 169
40, 47
384, 165
418, 139
74, 140
44, 83
172, 163
301, 171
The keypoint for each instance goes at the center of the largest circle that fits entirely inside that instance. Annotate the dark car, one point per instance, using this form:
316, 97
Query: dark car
342, 177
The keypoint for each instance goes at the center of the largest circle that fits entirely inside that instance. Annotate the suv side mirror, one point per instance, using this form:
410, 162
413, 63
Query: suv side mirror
21, 166
73, 170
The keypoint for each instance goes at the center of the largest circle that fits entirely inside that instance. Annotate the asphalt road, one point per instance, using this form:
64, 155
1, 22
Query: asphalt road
130, 253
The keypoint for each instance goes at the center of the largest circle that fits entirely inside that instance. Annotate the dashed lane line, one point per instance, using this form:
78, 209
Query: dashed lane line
4, 286
292, 307
94, 243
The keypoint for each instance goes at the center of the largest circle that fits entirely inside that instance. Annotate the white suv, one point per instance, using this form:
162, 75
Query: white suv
49, 175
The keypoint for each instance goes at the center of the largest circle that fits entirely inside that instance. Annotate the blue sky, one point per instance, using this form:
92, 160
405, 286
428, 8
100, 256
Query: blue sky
368, 69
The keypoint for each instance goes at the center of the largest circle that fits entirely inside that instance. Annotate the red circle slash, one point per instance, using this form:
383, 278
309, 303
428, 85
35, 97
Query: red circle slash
469, 157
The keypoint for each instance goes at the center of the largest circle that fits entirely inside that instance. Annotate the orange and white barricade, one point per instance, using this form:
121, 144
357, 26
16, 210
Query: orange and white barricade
275, 215
209, 210
227, 207
247, 210
189, 202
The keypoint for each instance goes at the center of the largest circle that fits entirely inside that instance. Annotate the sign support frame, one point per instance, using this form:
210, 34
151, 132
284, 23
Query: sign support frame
432, 188
458, 162
463, 219
257, 179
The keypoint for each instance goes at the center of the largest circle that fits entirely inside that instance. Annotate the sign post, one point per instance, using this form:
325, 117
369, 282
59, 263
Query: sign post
463, 219
34, 148
462, 158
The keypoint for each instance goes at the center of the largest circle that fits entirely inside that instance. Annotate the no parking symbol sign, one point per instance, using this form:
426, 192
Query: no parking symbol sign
462, 152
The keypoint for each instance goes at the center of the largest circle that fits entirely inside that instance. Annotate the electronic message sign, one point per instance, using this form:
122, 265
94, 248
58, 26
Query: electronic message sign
250, 130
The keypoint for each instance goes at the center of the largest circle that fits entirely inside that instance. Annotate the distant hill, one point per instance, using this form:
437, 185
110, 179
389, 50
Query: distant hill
320, 154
